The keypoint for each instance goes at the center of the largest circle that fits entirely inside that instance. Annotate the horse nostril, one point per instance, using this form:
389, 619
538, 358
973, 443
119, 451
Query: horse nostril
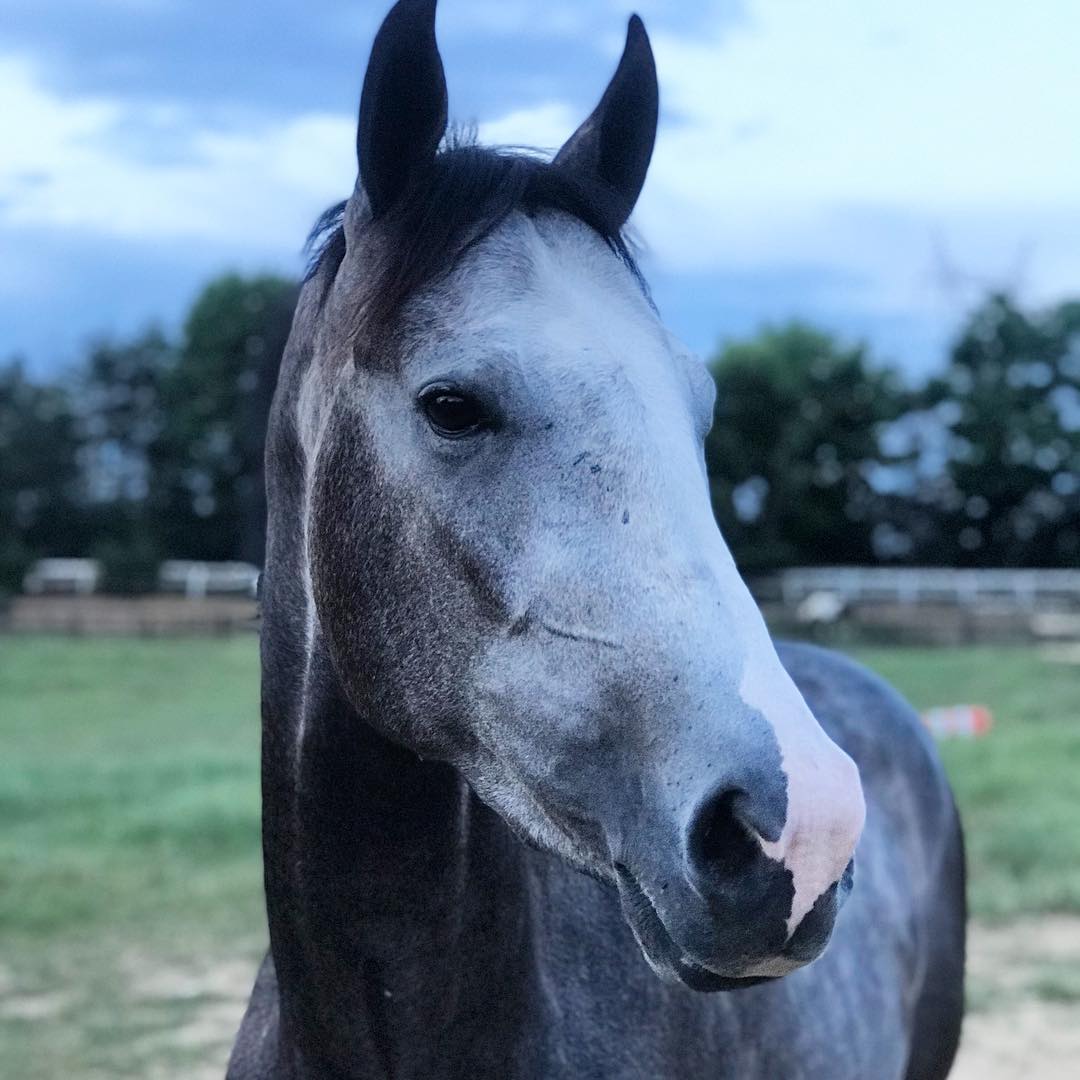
720, 843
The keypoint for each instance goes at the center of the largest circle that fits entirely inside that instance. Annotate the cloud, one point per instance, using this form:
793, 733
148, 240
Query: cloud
914, 151
256, 188
545, 127
60, 288
283, 57
875, 165
277, 56
820, 127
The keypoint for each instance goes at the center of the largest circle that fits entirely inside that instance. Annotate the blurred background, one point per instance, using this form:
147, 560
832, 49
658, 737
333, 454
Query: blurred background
865, 216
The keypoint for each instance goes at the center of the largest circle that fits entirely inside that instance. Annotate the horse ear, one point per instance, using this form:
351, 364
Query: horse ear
614, 146
403, 103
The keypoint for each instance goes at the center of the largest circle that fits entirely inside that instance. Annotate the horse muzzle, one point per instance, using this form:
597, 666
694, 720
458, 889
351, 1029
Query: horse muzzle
722, 912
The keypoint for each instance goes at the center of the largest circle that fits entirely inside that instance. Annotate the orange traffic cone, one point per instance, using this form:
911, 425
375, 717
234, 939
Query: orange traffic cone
948, 721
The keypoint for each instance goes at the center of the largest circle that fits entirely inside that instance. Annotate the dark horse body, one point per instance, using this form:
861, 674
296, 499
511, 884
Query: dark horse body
425, 941
413, 934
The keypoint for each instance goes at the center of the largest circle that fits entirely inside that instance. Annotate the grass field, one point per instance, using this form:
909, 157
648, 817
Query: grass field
1018, 787
129, 797
130, 903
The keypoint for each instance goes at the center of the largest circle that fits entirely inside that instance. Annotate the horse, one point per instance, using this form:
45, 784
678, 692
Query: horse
541, 796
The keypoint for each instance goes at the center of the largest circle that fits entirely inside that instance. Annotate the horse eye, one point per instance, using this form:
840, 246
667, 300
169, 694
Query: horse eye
450, 412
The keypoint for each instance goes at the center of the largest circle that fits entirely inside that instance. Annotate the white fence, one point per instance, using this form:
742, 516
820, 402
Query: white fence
78, 576
1023, 589
197, 579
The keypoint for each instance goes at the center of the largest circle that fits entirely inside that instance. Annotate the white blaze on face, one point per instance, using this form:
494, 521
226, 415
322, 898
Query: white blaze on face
585, 313
825, 807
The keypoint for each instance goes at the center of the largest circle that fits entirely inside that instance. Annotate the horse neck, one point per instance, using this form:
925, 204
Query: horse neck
392, 893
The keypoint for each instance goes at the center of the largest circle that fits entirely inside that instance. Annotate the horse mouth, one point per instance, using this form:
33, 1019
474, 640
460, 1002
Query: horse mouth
665, 957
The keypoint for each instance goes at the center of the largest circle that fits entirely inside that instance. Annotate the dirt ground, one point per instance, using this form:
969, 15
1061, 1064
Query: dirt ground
1023, 1022
1024, 987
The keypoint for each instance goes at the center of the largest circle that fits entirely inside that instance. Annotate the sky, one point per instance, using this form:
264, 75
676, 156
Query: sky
870, 165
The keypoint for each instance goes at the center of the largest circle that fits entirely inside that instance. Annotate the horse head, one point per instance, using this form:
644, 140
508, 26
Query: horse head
513, 559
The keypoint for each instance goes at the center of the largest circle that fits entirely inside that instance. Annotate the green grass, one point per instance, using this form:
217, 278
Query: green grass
129, 802
1019, 786
128, 786
129, 843
1059, 983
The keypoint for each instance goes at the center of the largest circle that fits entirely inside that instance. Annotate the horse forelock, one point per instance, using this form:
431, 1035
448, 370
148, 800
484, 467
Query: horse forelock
464, 196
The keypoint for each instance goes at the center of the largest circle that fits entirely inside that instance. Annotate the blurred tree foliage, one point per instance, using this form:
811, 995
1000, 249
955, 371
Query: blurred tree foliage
122, 416
39, 472
818, 453
794, 445
819, 456
153, 449
1010, 401
207, 463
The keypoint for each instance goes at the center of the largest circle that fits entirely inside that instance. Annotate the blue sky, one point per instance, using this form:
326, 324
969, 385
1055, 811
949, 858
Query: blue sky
870, 165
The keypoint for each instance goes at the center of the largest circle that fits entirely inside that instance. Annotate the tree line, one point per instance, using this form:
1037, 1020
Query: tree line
821, 455
151, 448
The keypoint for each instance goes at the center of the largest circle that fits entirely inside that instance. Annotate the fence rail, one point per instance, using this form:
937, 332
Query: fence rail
1023, 589
142, 616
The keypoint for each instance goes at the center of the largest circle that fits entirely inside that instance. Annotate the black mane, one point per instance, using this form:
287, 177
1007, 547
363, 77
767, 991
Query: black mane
467, 193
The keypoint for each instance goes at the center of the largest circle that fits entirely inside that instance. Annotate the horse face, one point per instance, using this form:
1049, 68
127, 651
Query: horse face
516, 569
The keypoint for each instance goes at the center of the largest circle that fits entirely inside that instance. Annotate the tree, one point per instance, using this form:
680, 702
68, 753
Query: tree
122, 416
794, 444
207, 491
39, 474
1010, 401
155, 450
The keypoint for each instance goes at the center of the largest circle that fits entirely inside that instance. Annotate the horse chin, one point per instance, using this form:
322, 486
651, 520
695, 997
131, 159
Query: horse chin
666, 958
706, 981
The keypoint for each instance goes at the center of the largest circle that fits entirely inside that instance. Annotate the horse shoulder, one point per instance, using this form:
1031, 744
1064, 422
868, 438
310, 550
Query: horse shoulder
910, 877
